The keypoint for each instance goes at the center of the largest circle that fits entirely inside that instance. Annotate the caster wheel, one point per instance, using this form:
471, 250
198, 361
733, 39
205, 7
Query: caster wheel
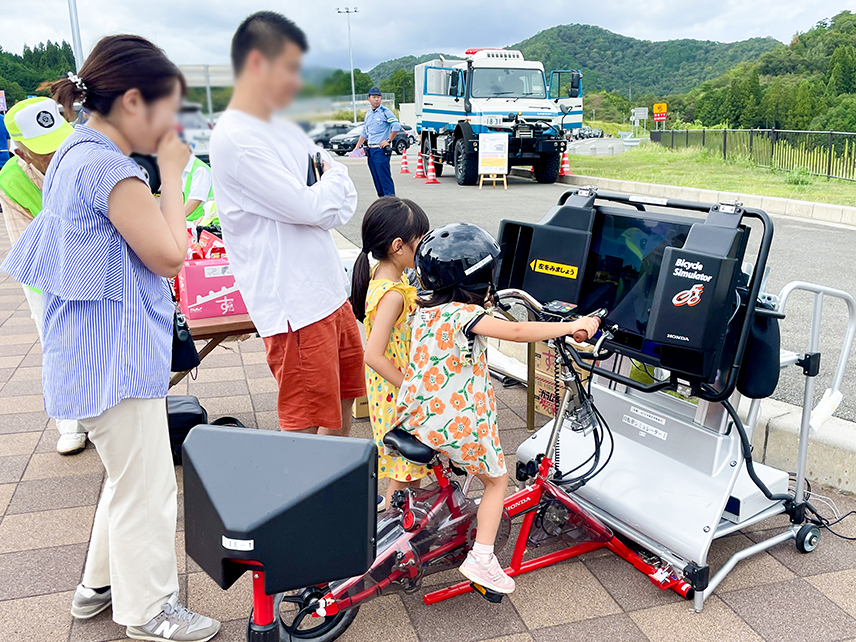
808, 538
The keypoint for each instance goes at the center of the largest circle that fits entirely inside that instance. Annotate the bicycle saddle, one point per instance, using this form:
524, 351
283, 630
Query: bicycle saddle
409, 446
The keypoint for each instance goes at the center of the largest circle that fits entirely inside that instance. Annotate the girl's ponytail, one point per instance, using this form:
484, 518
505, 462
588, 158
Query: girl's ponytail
387, 219
360, 285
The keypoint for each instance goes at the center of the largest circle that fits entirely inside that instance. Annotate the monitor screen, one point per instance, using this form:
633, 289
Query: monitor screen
623, 266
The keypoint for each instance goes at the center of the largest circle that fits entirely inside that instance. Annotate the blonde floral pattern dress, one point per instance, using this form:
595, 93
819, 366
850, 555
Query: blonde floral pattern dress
382, 394
447, 399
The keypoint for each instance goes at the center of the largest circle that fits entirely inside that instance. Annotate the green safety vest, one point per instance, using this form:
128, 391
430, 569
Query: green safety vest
199, 211
19, 188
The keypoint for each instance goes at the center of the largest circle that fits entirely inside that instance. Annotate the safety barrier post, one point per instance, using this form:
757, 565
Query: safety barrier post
702, 137
772, 147
724, 144
829, 160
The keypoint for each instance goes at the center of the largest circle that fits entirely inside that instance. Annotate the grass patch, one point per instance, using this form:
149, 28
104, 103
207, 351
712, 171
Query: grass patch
704, 168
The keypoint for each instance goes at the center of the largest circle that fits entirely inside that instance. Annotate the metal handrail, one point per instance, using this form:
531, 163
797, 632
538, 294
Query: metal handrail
820, 291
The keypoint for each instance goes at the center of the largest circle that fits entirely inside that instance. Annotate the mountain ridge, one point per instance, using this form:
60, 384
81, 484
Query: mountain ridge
612, 61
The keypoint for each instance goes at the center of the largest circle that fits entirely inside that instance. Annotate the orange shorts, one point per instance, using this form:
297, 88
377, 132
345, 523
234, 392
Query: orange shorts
315, 368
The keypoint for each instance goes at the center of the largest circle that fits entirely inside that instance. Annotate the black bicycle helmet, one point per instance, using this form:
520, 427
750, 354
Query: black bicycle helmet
459, 254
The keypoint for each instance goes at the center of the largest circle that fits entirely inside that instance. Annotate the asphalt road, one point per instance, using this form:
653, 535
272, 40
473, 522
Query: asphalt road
802, 250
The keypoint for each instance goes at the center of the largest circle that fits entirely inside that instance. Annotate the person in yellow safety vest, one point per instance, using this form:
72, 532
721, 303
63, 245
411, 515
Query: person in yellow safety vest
37, 130
198, 189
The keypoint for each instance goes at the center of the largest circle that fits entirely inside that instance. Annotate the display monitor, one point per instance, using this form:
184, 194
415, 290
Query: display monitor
622, 269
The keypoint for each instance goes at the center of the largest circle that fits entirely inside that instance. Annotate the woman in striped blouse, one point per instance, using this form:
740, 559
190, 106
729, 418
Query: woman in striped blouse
100, 251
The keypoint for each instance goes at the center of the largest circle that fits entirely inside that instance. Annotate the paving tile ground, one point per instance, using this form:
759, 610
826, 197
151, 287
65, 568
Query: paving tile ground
47, 504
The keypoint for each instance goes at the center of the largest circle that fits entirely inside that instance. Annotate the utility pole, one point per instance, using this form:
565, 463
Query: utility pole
630, 92
208, 90
76, 45
348, 13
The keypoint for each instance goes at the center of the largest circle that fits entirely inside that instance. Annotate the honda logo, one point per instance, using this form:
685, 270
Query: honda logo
689, 297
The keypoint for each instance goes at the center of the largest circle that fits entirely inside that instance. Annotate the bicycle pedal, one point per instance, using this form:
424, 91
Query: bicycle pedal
486, 593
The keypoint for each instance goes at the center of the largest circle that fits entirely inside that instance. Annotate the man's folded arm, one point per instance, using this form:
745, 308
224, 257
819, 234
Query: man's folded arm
270, 190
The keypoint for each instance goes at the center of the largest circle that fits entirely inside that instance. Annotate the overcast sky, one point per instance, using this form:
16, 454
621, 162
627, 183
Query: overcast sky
197, 31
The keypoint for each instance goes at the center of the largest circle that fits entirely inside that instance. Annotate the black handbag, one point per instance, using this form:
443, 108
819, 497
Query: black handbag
184, 354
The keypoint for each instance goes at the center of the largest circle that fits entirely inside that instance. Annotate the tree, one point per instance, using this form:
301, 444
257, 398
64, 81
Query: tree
841, 117
14, 91
401, 84
735, 102
842, 66
803, 111
778, 102
339, 83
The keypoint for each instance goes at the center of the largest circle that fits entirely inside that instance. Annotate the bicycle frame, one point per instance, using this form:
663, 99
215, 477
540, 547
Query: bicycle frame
532, 496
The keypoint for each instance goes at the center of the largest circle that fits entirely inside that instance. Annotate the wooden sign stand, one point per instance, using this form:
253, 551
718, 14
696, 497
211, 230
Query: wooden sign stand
494, 178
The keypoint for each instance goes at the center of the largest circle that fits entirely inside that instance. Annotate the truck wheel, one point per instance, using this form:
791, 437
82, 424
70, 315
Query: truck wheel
150, 171
466, 165
547, 169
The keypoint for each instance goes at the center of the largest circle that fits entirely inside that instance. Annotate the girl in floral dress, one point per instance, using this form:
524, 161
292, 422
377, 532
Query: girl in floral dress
446, 398
385, 302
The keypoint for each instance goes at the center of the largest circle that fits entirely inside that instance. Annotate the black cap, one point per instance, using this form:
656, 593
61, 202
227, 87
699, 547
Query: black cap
374, 91
459, 254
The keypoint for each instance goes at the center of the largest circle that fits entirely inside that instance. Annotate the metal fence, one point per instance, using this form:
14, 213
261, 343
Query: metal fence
830, 154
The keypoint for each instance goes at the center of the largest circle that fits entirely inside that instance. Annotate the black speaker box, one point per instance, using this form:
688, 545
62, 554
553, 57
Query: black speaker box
303, 506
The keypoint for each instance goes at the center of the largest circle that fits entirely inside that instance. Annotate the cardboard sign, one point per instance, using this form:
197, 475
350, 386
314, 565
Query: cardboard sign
493, 153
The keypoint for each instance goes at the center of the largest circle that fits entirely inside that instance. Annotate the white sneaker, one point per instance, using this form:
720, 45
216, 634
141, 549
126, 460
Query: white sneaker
88, 603
71, 443
175, 623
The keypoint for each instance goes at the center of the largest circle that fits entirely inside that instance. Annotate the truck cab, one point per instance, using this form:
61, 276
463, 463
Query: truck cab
495, 90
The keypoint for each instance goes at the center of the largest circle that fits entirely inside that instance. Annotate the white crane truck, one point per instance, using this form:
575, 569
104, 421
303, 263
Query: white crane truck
495, 90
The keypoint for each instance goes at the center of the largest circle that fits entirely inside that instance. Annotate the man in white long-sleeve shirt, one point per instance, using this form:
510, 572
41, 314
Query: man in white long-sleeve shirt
277, 232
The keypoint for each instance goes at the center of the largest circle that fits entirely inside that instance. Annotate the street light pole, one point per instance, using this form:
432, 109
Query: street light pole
76, 46
348, 13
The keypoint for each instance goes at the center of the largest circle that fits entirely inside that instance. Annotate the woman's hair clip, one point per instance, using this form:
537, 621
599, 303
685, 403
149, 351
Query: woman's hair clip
78, 82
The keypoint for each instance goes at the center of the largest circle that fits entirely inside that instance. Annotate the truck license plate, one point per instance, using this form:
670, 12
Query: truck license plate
492, 121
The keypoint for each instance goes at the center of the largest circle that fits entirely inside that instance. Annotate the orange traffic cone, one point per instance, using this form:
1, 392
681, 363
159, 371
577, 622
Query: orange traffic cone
565, 170
404, 168
420, 168
432, 177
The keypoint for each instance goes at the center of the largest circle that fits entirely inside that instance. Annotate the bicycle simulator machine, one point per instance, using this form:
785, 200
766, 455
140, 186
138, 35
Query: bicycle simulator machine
649, 459
690, 332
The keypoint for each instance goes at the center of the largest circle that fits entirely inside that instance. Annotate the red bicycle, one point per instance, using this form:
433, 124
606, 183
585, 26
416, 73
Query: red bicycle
431, 530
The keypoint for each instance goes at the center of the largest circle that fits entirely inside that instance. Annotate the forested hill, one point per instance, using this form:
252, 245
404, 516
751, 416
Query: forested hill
809, 84
613, 62
21, 75
384, 70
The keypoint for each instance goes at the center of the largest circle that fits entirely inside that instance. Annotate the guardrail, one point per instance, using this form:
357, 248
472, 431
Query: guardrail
831, 154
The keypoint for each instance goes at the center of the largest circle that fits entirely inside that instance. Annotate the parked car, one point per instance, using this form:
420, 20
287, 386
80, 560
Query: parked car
344, 143
323, 132
411, 133
195, 129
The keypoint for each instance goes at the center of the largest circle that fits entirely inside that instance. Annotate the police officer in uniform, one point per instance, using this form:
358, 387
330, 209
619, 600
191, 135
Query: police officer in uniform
380, 128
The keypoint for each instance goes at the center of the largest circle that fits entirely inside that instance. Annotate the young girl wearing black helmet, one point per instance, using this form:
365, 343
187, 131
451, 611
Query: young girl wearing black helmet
446, 398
